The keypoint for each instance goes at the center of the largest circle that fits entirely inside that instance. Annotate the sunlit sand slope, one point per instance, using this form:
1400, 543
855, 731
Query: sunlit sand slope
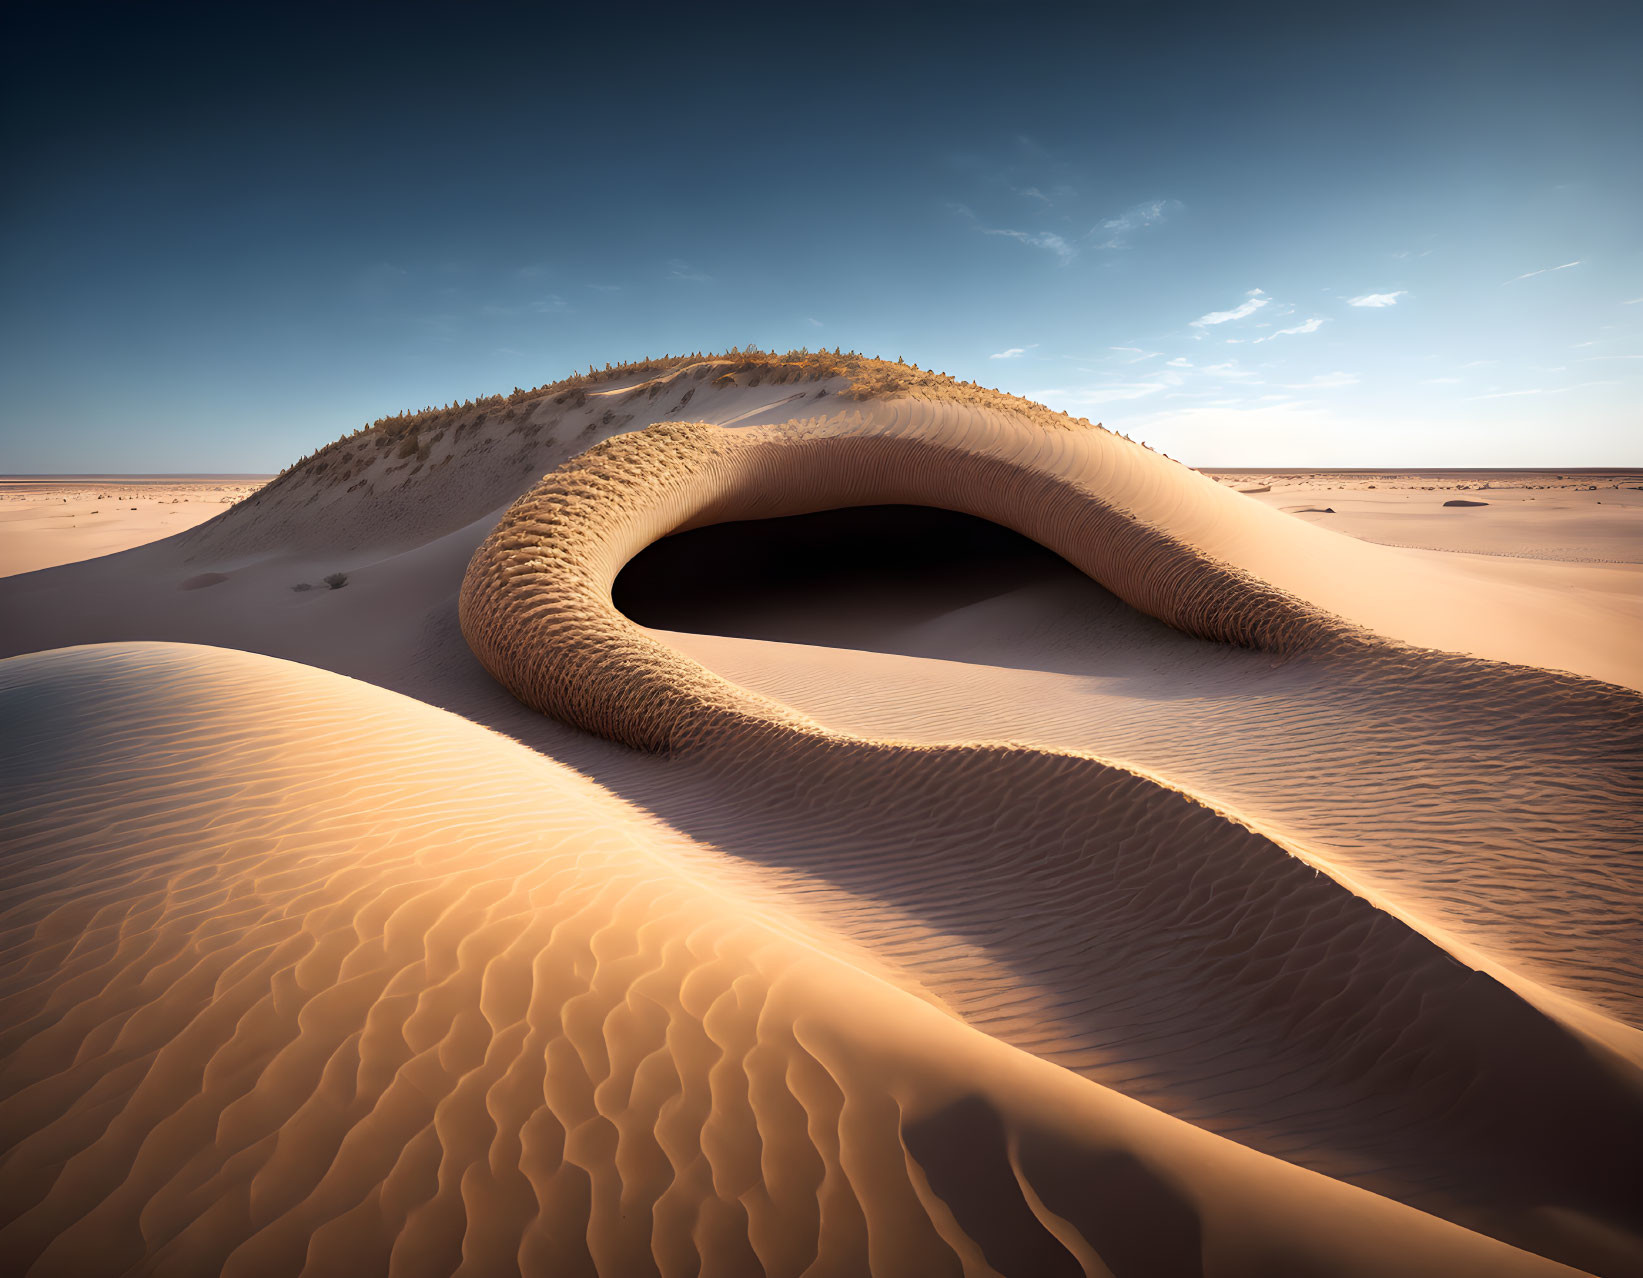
1140, 896
297, 975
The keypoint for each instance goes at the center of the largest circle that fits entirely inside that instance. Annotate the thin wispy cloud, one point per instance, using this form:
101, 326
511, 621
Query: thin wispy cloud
1545, 270
1137, 354
1089, 396
1541, 390
1178, 362
1632, 301
1014, 352
1511, 394
1231, 370
1326, 381
1377, 299
551, 304
1310, 326
1441, 381
1048, 240
685, 271
1256, 300
1116, 231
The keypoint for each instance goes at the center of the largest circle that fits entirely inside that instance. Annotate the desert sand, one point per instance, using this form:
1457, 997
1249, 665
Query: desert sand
46, 520
798, 814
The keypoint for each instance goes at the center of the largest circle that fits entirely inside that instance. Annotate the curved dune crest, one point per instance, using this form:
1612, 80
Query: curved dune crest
321, 1019
536, 604
1286, 947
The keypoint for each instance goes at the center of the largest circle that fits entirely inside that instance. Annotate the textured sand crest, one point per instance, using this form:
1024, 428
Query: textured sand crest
1133, 863
321, 1018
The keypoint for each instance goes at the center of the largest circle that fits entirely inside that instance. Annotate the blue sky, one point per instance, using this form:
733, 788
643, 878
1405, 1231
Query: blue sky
1274, 235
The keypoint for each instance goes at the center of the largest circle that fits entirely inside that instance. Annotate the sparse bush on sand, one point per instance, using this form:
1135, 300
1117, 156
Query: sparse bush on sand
337, 580
869, 378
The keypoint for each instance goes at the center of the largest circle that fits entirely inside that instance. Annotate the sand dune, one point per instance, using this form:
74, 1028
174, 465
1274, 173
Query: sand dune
1218, 893
298, 1025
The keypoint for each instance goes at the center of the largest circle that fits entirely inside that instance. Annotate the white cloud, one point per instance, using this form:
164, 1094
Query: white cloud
1037, 239
1326, 381
1013, 353
1088, 396
1230, 370
1118, 229
549, 305
1257, 299
1311, 326
813, 321
685, 271
1378, 299
1441, 381
1178, 362
1529, 275
1632, 301
1136, 351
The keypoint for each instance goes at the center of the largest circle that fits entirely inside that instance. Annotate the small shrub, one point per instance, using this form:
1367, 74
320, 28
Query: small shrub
302, 585
337, 580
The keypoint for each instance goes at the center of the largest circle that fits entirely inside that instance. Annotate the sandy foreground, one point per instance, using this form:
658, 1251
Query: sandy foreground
724, 823
58, 519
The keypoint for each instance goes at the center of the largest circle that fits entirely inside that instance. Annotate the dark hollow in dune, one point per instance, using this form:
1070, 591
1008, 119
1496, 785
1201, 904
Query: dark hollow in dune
774, 578
203, 580
1462, 502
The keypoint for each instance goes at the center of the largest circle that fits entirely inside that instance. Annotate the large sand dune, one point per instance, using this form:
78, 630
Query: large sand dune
1219, 893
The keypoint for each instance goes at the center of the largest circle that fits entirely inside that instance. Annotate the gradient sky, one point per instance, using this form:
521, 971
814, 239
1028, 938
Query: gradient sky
1251, 235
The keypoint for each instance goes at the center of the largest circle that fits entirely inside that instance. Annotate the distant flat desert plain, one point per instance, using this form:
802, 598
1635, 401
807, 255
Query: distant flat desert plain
1558, 515
46, 520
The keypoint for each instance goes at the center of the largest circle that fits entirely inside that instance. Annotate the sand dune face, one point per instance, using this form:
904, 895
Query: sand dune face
536, 601
998, 937
312, 1031
536, 609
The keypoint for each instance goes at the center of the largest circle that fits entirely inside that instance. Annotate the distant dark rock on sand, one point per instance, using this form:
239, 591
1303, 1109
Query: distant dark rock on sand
1462, 502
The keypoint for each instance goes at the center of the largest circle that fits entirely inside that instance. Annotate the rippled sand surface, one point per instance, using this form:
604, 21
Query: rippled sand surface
815, 835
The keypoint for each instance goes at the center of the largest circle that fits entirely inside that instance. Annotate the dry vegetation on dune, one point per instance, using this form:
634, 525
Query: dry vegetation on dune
398, 468
411, 433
